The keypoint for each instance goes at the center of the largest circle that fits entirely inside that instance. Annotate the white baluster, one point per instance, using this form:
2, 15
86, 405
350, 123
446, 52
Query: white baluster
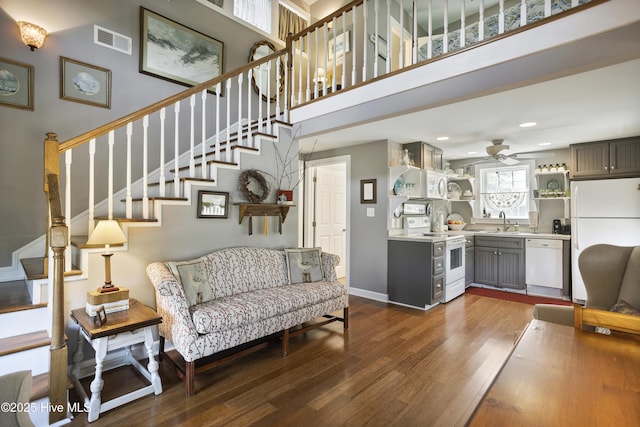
260, 95
145, 167
325, 35
343, 74
249, 104
228, 150
377, 39
308, 92
239, 111
203, 138
481, 22
286, 87
92, 181
300, 61
128, 198
365, 40
430, 30
317, 78
162, 161
68, 160
574, 3
110, 176
389, 44
218, 90
192, 137
401, 53
523, 13
547, 8
501, 18
445, 36
268, 102
176, 150
279, 83
463, 30
334, 59
354, 47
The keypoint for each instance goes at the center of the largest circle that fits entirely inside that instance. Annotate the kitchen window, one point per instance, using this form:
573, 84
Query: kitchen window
504, 189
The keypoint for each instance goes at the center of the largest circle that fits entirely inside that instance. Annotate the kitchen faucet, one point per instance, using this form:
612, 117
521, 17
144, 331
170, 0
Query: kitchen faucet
505, 224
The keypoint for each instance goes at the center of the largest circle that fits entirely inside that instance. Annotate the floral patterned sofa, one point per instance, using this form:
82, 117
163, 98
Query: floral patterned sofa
241, 295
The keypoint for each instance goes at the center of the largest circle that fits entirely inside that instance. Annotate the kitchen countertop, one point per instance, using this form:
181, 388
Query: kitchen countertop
445, 235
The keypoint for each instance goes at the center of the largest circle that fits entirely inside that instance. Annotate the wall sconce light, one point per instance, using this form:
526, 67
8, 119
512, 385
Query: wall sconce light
32, 35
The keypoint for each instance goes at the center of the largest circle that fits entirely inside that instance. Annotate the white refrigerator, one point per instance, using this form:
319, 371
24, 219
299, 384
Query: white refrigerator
602, 211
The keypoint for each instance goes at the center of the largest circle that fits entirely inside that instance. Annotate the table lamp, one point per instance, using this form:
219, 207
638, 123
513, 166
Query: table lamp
107, 232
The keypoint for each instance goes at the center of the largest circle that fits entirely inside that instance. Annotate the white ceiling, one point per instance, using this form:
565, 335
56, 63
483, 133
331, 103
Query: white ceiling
594, 105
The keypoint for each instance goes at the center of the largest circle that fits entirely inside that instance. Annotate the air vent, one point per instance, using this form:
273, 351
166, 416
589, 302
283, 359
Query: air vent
111, 39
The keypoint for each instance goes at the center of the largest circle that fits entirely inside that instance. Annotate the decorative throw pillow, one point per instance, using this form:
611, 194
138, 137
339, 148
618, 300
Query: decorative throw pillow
304, 265
193, 278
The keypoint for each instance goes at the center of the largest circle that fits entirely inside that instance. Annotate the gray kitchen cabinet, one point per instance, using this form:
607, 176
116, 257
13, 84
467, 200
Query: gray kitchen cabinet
469, 274
500, 262
607, 159
415, 273
425, 156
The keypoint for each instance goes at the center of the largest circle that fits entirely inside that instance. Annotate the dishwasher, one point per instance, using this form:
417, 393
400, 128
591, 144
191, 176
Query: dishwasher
544, 263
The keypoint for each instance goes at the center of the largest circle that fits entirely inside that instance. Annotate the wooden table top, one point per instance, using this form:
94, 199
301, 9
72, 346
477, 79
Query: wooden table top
137, 316
558, 375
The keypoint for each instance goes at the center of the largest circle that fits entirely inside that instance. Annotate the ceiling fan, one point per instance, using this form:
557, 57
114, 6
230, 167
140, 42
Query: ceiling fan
502, 153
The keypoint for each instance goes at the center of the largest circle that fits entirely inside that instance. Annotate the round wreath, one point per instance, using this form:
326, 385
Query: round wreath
245, 180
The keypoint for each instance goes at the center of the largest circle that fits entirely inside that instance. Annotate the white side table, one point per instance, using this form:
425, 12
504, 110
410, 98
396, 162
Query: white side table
121, 330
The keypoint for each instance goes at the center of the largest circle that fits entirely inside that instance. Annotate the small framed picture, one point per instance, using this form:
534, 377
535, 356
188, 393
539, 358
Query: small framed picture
213, 204
16, 84
368, 190
101, 316
339, 45
85, 83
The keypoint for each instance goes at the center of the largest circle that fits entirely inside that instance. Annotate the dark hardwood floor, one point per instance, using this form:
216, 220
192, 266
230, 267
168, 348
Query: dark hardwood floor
394, 366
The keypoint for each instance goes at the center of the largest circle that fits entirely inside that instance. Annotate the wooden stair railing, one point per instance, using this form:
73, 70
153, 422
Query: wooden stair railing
58, 236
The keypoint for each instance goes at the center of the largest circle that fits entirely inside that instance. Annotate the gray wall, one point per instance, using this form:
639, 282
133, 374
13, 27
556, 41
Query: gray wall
368, 235
21, 140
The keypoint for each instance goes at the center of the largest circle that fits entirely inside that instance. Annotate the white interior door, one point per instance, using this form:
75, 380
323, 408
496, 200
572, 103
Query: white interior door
330, 211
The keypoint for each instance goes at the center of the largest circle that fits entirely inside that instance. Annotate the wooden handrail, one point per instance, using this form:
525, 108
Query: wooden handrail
327, 19
139, 114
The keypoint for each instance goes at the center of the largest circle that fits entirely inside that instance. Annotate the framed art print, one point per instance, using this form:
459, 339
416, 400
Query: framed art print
85, 83
173, 52
213, 204
16, 84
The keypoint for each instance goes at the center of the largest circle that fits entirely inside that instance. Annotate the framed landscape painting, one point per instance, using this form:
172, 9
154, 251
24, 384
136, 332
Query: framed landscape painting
213, 204
16, 84
85, 83
173, 52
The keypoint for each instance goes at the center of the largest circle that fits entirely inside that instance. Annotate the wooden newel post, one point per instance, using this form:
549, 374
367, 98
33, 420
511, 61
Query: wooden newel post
51, 167
58, 237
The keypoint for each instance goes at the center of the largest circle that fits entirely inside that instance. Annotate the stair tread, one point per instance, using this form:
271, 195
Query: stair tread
14, 294
24, 342
129, 219
40, 386
155, 184
180, 199
34, 268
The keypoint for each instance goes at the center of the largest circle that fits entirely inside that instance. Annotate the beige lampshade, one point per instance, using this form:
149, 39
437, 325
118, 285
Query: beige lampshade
32, 35
107, 232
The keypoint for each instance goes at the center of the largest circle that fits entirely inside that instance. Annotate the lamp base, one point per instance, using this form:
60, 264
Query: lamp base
98, 298
107, 288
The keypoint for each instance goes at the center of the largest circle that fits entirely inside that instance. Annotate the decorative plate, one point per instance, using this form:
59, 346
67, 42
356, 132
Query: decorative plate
398, 187
553, 185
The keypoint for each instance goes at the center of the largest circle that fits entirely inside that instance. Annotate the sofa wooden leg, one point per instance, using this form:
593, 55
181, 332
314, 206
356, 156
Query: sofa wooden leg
345, 315
190, 378
285, 342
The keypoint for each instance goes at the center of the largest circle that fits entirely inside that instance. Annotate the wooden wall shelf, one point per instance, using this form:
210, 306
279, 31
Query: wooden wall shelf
258, 210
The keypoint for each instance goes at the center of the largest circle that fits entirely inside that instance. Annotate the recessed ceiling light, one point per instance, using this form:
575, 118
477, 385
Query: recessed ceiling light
472, 152
545, 143
442, 138
527, 124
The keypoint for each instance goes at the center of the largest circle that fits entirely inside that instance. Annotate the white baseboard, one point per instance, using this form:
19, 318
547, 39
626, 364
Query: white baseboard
376, 296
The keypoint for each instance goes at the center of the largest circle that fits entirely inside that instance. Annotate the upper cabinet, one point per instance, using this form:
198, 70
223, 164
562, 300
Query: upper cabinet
425, 156
609, 159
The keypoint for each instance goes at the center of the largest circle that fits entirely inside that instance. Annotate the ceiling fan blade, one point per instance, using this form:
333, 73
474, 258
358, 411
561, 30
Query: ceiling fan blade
506, 152
509, 161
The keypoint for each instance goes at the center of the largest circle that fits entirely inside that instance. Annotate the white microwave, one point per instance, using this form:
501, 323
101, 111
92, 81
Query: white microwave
435, 184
